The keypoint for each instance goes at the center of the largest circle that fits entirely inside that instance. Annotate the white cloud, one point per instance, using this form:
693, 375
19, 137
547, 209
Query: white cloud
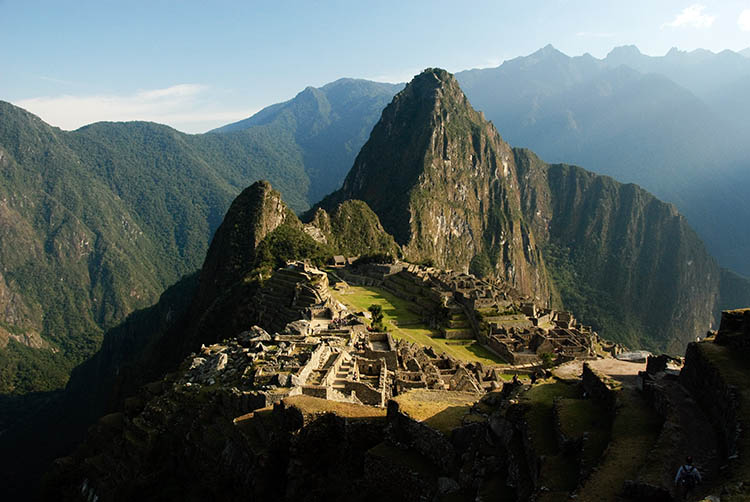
184, 107
692, 16
744, 20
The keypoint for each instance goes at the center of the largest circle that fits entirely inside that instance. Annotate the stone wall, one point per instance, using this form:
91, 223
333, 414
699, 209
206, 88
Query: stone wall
320, 352
719, 401
390, 357
597, 386
734, 330
366, 393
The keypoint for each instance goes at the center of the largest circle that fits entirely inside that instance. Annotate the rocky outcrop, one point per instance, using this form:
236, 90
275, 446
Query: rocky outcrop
253, 215
444, 184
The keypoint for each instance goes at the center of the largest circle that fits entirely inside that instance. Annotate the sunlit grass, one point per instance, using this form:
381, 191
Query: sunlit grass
404, 324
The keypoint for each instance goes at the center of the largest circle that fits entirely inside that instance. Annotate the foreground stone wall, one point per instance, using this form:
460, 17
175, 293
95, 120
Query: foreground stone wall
719, 401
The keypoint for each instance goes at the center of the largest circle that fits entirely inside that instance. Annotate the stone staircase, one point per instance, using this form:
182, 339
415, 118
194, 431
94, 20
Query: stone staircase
342, 374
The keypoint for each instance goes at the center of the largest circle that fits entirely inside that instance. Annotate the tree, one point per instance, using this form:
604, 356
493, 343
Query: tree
377, 315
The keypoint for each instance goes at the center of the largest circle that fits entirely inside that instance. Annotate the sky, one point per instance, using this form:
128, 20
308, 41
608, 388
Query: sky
196, 65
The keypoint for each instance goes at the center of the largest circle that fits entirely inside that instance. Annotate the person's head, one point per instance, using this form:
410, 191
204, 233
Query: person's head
689, 460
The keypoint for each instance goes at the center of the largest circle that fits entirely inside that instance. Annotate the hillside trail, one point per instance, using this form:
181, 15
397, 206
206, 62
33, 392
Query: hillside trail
686, 432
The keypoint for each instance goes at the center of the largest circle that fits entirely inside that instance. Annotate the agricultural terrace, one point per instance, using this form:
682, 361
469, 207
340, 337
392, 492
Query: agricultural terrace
404, 324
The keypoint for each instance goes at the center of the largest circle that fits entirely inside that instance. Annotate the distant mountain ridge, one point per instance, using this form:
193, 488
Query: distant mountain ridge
327, 125
675, 125
700, 71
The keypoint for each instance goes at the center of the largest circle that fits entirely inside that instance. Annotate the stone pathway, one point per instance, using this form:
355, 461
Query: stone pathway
622, 371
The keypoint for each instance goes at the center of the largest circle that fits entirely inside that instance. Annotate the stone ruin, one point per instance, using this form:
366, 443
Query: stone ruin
324, 352
345, 363
294, 292
316, 347
464, 307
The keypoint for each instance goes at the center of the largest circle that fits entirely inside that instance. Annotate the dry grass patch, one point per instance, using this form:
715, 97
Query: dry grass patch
309, 405
441, 410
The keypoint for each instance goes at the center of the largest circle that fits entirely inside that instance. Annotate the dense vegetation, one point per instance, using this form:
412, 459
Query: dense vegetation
352, 229
97, 222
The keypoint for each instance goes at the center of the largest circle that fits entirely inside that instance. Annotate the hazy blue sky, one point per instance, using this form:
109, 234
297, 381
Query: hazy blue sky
199, 64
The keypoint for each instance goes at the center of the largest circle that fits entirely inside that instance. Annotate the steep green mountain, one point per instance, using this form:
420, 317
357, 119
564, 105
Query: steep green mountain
441, 180
620, 258
258, 234
327, 126
650, 121
97, 222
450, 190
354, 229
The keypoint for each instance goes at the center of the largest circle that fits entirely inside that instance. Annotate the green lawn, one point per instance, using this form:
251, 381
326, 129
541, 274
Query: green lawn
406, 325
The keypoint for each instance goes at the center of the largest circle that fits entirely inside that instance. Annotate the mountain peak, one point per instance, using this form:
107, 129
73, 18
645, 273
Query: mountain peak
624, 50
432, 168
438, 74
548, 51
254, 214
674, 51
431, 79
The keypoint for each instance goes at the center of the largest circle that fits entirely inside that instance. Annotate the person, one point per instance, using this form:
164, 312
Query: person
515, 380
688, 476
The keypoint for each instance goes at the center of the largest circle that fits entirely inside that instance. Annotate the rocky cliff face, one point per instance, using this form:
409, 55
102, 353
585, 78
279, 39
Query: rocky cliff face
444, 185
619, 257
